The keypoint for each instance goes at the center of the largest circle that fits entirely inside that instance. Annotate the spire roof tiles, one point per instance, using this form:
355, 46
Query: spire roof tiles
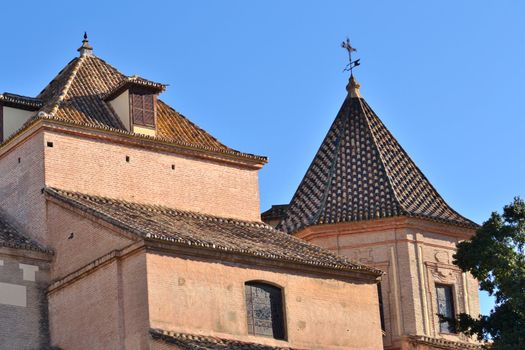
360, 172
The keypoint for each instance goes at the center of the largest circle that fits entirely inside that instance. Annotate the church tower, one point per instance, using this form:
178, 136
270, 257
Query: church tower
364, 198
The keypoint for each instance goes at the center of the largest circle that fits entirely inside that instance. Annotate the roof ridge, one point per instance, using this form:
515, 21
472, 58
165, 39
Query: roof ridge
368, 110
161, 208
381, 157
322, 205
67, 85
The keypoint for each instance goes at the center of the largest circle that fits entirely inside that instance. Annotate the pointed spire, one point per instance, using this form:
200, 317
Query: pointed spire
353, 87
85, 49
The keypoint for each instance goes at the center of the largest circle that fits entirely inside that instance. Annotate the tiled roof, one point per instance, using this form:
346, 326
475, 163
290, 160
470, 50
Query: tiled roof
19, 101
133, 81
10, 237
199, 342
277, 211
444, 343
360, 172
203, 231
77, 95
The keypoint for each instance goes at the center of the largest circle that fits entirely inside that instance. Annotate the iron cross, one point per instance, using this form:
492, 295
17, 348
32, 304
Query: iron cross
352, 64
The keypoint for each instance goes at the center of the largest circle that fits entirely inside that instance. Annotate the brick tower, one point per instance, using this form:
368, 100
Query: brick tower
364, 198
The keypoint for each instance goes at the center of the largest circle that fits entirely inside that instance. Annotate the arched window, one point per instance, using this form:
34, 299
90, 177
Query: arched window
264, 307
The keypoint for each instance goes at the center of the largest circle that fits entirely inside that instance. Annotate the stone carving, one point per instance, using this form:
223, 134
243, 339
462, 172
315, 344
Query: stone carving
442, 257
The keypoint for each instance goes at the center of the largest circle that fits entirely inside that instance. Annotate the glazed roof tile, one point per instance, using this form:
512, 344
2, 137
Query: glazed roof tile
77, 95
199, 230
10, 237
185, 341
277, 211
361, 172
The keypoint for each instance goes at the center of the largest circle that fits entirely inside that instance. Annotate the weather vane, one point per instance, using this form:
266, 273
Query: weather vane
352, 64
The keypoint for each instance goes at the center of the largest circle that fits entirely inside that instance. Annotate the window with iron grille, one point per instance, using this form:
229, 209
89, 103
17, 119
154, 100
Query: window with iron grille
445, 307
264, 306
143, 108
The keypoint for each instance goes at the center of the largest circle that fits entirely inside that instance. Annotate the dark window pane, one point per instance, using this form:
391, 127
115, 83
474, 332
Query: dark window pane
264, 310
445, 307
381, 310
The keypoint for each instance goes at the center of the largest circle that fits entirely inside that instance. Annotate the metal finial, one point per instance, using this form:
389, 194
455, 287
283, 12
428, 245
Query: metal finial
351, 64
85, 49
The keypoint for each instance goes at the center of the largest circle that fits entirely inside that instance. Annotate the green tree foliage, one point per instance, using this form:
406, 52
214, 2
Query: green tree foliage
495, 256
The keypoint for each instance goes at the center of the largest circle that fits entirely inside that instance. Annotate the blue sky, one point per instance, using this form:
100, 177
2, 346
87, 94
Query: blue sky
266, 77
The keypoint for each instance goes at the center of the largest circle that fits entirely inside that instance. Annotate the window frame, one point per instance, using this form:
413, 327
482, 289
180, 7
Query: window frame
451, 327
283, 326
142, 93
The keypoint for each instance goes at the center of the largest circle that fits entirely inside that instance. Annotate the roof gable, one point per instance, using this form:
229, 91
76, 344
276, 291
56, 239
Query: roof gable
360, 172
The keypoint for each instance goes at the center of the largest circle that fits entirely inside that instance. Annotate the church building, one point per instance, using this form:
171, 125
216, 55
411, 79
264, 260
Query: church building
123, 225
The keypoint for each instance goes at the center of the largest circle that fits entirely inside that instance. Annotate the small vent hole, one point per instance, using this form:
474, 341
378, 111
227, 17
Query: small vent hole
19, 160
49, 144
173, 167
127, 159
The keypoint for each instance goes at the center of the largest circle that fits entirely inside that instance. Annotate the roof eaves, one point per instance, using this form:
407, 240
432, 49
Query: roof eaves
49, 117
134, 81
19, 101
69, 198
193, 341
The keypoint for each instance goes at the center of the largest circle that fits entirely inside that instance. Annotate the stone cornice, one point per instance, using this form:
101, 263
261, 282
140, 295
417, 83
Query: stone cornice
397, 223
129, 139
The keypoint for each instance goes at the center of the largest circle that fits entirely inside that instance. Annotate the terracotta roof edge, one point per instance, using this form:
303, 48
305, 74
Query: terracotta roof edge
11, 100
69, 198
67, 85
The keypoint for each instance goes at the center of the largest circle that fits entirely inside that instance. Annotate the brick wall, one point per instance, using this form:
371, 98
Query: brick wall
77, 240
85, 314
105, 309
99, 167
21, 181
23, 305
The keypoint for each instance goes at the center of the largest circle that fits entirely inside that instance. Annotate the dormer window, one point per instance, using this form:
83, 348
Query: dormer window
15, 110
143, 108
134, 101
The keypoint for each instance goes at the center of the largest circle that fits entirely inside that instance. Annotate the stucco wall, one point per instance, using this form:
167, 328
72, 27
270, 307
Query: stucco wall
414, 260
120, 105
23, 305
21, 182
99, 167
201, 297
14, 118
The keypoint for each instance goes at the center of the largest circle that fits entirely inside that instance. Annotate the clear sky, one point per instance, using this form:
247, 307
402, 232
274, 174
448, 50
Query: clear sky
265, 77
